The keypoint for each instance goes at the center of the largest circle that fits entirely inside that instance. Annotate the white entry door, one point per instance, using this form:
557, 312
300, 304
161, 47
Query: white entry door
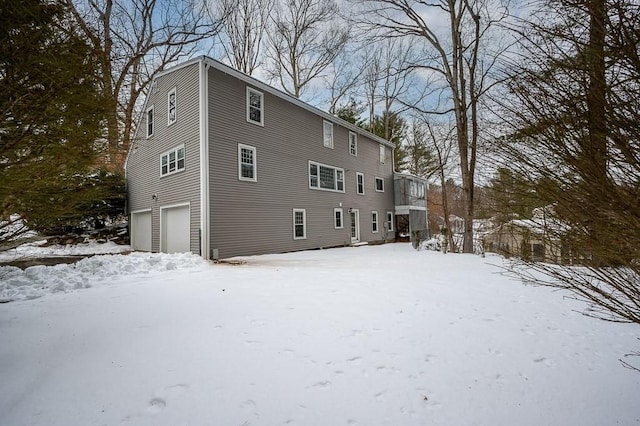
141, 231
355, 225
175, 233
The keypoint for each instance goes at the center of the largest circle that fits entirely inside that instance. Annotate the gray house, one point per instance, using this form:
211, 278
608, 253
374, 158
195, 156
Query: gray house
225, 165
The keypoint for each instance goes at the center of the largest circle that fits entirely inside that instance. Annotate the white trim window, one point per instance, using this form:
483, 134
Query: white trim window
360, 183
299, 224
326, 178
172, 161
353, 144
255, 106
149, 121
374, 222
338, 218
247, 163
171, 107
389, 222
327, 134
416, 189
383, 152
379, 184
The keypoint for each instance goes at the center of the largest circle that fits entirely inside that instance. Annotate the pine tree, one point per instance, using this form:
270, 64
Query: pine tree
576, 113
512, 196
393, 128
53, 116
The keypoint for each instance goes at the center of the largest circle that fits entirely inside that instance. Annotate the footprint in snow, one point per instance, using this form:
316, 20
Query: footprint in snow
249, 404
322, 385
354, 360
159, 401
156, 405
545, 361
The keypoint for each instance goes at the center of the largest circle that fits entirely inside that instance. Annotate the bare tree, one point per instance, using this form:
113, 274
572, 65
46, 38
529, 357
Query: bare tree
457, 53
244, 23
433, 157
395, 79
134, 40
372, 61
305, 39
342, 79
385, 78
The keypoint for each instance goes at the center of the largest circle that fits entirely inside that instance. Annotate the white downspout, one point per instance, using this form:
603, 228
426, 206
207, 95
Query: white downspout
205, 226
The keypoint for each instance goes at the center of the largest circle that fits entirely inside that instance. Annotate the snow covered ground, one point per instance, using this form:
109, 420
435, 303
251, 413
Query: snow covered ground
380, 335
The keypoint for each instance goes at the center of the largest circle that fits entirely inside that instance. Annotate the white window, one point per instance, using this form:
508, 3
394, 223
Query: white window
374, 222
379, 184
353, 144
416, 189
171, 107
337, 218
150, 122
389, 222
327, 134
360, 183
382, 154
325, 177
247, 163
255, 107
172, 161
299, 224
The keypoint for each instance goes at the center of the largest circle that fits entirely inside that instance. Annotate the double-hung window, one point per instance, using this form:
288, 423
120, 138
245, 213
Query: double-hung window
247, 163
374, 222
389, 223
255, 107
360, 183
353, 143
171, 107
150, 121
379, 184
327, 134
299, 224
337, 218
325, 177
172, 161
417, 189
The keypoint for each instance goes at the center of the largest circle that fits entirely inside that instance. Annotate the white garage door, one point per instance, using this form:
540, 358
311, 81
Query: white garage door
141, 231
175, 237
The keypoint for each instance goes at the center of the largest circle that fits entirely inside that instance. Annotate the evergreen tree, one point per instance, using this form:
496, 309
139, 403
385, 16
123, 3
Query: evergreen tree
351, 112
393, 128
511, 196
421, 159
576, 112
53, 116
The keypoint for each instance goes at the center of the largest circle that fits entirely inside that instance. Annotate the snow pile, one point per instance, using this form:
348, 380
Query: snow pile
36, 249
36, 281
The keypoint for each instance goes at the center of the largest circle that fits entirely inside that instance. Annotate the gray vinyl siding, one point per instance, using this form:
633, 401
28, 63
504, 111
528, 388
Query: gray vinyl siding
257, 217
143, 165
